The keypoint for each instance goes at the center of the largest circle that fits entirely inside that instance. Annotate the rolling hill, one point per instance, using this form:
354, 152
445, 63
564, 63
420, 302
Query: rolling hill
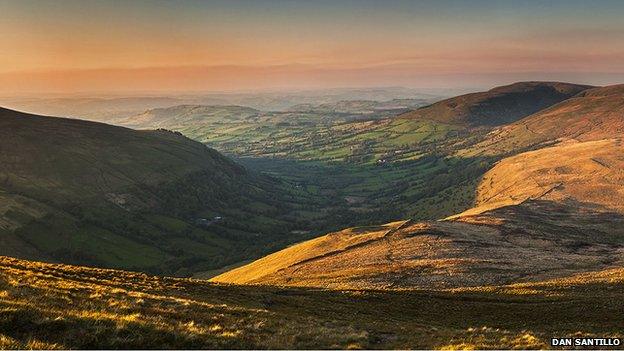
498, 106
363, 106
591, 115
45, 306
82, 192
99, 109
184, 116
588, 172
84, 158
542, 214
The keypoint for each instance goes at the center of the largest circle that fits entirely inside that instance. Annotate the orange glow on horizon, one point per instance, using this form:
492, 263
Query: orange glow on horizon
70, 46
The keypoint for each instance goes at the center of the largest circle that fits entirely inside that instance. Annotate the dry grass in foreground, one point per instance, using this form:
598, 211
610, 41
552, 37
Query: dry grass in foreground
57, 306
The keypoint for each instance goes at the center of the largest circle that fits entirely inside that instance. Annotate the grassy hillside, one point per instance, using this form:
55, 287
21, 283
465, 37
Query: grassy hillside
591, 115
318, 248
46, 306
83, 158
89, 193
497, 106
532, 242
589, 172
542, 214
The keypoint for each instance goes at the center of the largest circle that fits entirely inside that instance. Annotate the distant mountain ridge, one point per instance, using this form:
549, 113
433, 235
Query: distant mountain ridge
110, 108
188, 115
498, 106
362, 106
593, 114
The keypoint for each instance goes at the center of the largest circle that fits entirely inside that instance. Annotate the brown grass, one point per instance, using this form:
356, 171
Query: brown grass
540, 215
590, 172
56, 306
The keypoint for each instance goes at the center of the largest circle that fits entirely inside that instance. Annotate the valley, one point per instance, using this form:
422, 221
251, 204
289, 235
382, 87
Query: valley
538, 215
311, 175
297, 173
376, 153
89, 193
315, 219
306, 170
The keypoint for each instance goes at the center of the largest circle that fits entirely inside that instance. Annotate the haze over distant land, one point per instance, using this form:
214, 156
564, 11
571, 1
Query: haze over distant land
99, 46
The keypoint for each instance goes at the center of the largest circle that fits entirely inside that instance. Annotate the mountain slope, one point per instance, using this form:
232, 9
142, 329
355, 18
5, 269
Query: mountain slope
330, 244
83, 158
497, 106
591, 115
588, 172
542, 214
125, 310
89, 193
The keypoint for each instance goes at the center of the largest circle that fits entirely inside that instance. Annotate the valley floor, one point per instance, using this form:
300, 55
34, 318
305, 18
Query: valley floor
59, 306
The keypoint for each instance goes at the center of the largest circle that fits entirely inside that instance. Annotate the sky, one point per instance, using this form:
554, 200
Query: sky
66, 46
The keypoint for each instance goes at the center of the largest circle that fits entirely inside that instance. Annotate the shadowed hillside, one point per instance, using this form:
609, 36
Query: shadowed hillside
542, 214
45, 306
81, 192
497, 106
83, 158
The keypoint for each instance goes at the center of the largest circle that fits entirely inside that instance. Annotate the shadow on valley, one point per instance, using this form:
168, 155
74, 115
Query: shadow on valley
197, 223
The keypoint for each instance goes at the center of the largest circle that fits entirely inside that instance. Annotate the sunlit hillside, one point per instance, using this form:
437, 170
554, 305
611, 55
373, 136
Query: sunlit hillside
590, 173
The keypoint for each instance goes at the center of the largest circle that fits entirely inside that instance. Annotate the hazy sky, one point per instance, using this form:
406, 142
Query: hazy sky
68, 46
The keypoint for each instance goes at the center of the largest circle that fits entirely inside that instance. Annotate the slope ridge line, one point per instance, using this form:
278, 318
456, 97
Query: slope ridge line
346, 248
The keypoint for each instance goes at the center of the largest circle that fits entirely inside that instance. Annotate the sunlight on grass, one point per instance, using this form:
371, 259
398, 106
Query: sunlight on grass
44, 306
8, 343
492, 338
